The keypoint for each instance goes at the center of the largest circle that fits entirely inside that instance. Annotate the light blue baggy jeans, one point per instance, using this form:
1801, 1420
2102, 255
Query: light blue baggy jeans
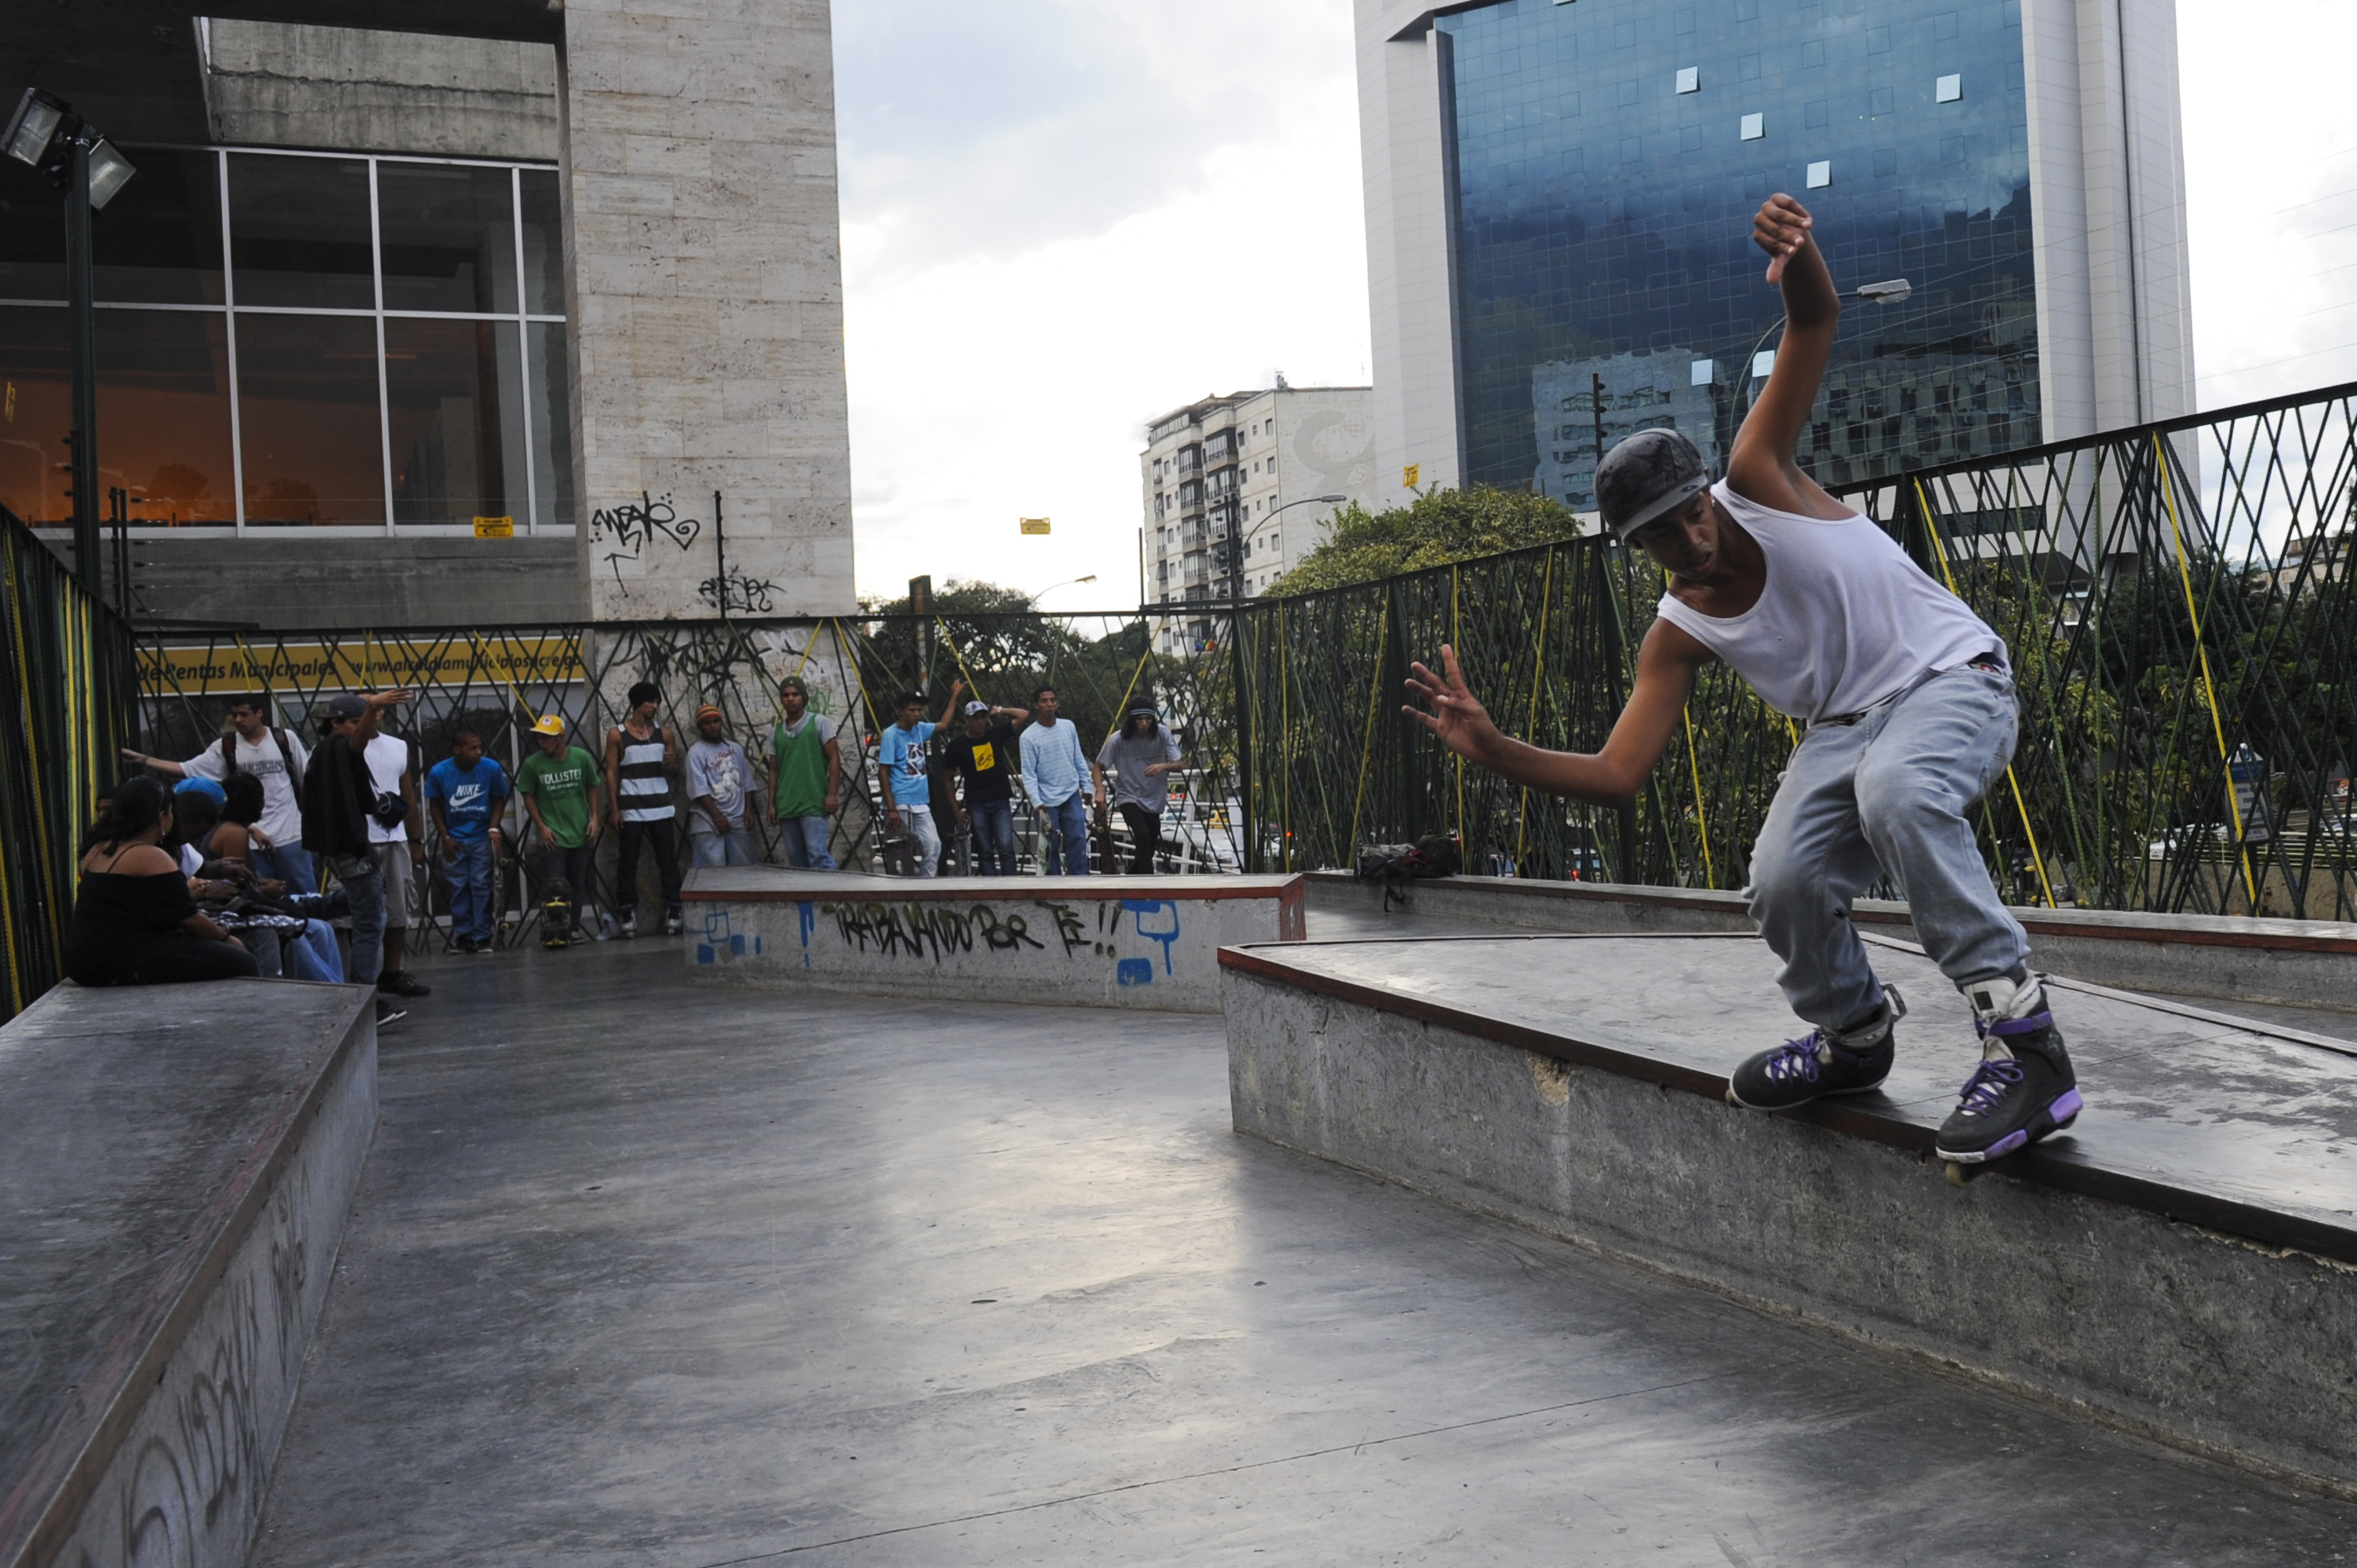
1886, 793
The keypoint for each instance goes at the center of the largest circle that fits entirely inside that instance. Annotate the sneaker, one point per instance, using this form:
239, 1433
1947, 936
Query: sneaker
1828, 1061
388, 1014
401, 982
485, 950
2024, 1087
629, 927
674, 923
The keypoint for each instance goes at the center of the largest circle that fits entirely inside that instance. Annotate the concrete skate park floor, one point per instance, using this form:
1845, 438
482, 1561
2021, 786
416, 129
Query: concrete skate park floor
640, 1274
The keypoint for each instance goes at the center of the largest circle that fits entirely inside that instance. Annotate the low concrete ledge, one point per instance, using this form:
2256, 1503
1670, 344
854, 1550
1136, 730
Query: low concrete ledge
1096, 941
178, 1162
2184, 1266
2298, 963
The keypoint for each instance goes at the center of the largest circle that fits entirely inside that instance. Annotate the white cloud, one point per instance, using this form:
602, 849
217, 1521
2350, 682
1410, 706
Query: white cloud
2271, 197
1058, 222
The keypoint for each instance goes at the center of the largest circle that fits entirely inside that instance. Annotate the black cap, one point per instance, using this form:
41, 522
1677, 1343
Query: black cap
345, 707
1644, 475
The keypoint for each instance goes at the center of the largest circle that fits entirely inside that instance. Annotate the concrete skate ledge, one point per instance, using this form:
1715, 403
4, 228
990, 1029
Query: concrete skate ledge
2185, 1264
1097, 941
2300, 963
179, 1161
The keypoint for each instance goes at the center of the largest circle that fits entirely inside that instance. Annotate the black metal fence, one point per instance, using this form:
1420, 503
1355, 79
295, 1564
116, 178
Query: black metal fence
67, 687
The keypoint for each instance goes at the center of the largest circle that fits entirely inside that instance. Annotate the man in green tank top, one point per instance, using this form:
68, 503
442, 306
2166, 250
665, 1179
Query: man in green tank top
805, 776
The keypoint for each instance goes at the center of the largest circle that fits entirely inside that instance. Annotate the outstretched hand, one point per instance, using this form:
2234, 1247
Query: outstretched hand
1458, 716
1780, 228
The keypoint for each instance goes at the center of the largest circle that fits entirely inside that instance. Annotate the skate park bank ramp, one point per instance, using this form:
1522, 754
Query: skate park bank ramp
2182, 1264
2292, 963
178, 1162
1099, 941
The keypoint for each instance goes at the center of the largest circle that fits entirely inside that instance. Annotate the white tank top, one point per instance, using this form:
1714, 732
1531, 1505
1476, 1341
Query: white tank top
1845, 621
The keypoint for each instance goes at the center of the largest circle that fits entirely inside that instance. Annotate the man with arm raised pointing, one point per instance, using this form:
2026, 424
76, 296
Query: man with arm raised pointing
1909, 707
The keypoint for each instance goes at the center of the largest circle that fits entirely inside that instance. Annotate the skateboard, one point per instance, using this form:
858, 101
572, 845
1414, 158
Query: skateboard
556, 913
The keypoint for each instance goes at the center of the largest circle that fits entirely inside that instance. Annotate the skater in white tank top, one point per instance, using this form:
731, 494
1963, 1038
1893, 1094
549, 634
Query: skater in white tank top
1910, 712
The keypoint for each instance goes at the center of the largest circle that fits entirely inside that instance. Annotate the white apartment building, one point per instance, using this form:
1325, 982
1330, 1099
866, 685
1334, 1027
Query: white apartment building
1231, 488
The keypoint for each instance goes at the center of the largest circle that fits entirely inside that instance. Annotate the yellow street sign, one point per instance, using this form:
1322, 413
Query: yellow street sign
495, 528
1408, 476
1034, 524
360, 665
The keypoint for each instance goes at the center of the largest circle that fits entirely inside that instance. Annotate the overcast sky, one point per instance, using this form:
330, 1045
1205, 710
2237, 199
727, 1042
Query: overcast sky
1062, 218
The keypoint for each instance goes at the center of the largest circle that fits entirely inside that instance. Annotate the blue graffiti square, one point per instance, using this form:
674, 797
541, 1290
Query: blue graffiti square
704, 953
1134, 972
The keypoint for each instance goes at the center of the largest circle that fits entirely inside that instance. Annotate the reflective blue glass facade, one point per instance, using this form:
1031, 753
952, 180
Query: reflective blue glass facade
1606, 160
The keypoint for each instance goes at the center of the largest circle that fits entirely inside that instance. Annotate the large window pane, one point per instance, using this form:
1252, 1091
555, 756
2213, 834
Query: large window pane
35, 411
299, 231
158, 242
543, 244
447, 238
455, 393
32, 235
552, 424
163, 414
308, 410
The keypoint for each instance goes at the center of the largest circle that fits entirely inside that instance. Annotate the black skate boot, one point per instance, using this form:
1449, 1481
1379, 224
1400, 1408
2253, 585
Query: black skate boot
1828, 1061
2024, 1087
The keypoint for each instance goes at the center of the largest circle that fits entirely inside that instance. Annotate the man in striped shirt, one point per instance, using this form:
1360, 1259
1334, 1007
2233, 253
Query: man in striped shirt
641, 755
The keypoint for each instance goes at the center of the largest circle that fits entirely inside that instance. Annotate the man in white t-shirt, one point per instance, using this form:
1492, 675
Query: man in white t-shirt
1908, 706
399, 851
255, 745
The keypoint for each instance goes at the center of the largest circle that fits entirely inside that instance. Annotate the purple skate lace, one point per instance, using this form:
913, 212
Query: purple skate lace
1793, 1059
1987, 1085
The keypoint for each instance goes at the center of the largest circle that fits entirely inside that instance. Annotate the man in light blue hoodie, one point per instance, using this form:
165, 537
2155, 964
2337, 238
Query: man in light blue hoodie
1055, 769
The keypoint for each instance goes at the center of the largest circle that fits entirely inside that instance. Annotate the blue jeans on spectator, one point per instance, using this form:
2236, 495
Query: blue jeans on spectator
805, 839
471, 877
994, 829
364, 894
313, 955
733, 848
287, 862
918, 821
1070, 819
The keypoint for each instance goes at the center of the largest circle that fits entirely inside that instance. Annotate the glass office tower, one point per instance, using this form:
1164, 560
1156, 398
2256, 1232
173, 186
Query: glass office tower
1604, 160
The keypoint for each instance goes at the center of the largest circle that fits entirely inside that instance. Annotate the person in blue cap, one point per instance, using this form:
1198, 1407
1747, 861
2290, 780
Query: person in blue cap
1908, 703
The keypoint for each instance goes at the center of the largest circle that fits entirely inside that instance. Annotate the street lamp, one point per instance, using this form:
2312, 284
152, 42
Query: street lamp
45, 134
1891, 291
1069, 582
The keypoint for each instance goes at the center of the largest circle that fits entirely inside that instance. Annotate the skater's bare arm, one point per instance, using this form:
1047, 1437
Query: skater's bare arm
1666, 672
1763, 466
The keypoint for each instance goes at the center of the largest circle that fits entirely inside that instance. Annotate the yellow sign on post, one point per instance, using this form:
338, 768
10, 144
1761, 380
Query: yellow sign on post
1409, 474
495, 528
1034, 524
361, 665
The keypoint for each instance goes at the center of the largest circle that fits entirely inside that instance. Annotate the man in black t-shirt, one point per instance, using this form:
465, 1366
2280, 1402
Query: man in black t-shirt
985, 758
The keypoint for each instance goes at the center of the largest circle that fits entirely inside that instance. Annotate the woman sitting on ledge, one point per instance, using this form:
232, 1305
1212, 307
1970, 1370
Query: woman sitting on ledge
134, 920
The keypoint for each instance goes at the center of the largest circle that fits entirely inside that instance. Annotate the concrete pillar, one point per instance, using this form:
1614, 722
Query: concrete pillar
706, 293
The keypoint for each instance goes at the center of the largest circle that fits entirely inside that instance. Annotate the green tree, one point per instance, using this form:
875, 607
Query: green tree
1437, 527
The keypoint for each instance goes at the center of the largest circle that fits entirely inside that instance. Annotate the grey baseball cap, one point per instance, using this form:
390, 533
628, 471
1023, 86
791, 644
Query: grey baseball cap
1644, 475
345, 707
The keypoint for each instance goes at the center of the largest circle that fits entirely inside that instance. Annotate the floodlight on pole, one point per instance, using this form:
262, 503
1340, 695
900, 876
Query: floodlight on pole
45, 133
1889, 291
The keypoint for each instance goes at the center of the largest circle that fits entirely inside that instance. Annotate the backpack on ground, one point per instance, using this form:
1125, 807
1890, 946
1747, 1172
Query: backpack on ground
1397, 864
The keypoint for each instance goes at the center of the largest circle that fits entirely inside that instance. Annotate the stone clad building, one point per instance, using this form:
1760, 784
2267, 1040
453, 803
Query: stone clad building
460, 325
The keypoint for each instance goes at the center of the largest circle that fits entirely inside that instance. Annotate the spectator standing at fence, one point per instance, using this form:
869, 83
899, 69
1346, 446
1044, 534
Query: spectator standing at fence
805, 776
1056, 772
399, 849
719, 796
907, 786
467, 792
642, 757
564, 797
135, 921
1139, 754
253, 744
985, 758
338, 803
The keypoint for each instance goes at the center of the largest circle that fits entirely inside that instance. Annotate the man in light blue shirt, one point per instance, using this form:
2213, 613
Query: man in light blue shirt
908, 784
1055, 769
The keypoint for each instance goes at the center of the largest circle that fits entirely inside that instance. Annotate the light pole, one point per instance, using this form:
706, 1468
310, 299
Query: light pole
45, 133
1033, 600
1893, 291
1249, 846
